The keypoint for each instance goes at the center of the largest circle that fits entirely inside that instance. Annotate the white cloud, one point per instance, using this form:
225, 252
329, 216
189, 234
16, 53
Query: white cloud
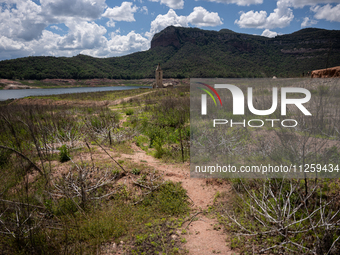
302, 3
47, 45
23, 33
238, 2
83, 35
123, 44
110, 23
125, 12
202, 18
56, 28
88, 9
12, 49
8, 44
268, 33
327, 12
307, 22
198, 17
163, 21
281, 17
85, 38
283, 14
144, 10
174, 4
252, 19
23, 22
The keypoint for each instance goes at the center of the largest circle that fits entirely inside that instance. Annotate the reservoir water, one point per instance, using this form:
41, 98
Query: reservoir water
20, 93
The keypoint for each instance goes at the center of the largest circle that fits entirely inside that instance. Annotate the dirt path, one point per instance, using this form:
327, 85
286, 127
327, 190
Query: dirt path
125, 99
203, 237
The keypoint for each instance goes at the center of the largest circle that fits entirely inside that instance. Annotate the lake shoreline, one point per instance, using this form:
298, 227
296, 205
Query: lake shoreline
24, 93
73, 83
22, 87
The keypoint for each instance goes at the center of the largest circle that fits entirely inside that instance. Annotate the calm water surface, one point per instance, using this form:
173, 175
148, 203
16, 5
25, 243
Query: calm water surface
20, 93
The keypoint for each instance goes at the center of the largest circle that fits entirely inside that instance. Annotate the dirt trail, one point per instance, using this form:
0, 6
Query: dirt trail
203, 234
125, 99
202, 237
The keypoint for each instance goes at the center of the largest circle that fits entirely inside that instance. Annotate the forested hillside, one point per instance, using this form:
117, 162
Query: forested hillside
192, 52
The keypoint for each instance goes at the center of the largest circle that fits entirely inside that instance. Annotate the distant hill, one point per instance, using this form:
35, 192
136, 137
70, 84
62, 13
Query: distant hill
193, 52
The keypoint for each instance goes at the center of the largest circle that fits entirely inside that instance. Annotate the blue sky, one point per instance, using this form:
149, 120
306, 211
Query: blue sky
107, 28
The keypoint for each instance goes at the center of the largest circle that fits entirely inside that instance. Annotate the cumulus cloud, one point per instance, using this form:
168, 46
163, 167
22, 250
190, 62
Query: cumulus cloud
327, 12
23, 22
202, 18
144, 10
238, 2
174, 4
10, 48
122, 44
8, 44
125, 12
88, 9
198, 17
281, 17
283, 14
47, 44
307, 22
23, 33
56, 28
163, 21
252, 19
302, 3
110, 23
83, 35
268, 33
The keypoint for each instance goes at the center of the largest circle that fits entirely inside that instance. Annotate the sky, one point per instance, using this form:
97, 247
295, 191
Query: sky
109, 28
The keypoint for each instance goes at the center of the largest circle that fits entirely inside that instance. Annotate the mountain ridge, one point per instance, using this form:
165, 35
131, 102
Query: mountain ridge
193, 52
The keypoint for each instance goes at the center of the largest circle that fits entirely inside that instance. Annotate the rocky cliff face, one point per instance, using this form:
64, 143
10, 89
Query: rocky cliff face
167, 38
178, 36
304, 41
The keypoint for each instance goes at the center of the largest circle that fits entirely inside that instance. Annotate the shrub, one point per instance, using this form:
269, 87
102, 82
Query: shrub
4, 157
64, 155
135, 171
129, 112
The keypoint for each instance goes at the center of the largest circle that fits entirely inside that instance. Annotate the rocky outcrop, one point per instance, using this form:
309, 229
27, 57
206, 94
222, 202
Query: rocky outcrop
169, 37
333, 72
304, 39
178, 36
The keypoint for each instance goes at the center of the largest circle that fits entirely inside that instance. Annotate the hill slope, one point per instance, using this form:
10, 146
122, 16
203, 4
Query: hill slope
192, 52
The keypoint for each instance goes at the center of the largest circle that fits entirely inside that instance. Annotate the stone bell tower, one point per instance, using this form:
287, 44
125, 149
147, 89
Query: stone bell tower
159, 76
